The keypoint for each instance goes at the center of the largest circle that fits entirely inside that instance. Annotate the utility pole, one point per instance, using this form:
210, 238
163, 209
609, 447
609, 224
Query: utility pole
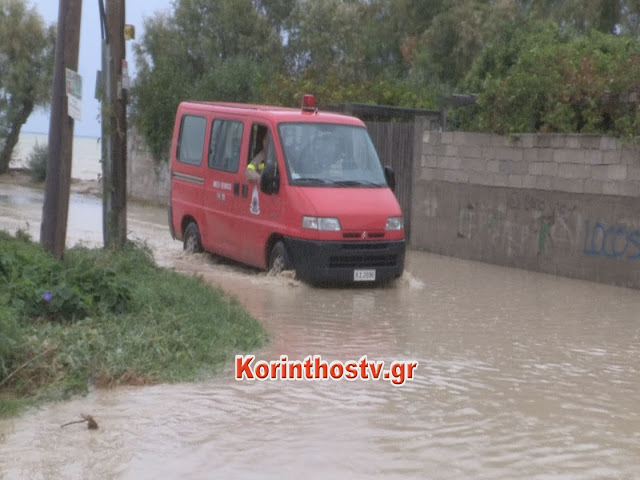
55, 210
114, 125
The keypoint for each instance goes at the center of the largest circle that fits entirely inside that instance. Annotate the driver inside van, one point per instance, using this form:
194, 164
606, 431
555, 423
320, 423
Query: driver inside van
255, 167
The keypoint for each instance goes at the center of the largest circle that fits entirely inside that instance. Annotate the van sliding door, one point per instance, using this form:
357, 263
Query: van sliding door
222, 190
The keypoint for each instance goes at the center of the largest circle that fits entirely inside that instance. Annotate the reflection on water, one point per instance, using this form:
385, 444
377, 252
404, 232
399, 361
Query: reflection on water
16, 201
521, 375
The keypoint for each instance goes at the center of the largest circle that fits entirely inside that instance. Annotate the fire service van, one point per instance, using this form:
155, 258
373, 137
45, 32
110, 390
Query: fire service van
281, 188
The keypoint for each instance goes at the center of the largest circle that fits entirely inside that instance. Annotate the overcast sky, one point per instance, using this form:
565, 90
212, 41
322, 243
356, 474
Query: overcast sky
90, 56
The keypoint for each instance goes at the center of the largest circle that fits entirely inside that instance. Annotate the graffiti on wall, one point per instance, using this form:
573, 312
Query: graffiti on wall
524, 232
518, 233
500, 232
612, 241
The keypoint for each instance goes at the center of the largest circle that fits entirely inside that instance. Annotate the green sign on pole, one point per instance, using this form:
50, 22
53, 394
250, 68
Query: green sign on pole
74, 94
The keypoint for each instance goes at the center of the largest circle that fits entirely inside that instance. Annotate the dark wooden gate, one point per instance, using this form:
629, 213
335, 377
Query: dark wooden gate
394, 143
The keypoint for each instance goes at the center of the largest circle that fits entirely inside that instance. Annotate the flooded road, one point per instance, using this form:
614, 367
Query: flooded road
520, 375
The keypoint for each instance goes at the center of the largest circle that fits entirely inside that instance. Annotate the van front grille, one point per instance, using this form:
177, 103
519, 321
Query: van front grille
362, 261
364, 246
362, 235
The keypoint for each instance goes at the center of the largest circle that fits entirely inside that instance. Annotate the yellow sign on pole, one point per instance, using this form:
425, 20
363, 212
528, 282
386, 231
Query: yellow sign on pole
129, 32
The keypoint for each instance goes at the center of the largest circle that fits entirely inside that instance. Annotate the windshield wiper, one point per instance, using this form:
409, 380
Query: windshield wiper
313, 181
357, 183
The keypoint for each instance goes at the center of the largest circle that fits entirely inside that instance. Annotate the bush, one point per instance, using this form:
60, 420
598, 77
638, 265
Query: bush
106, 317
41, 287
37, 163
548, 79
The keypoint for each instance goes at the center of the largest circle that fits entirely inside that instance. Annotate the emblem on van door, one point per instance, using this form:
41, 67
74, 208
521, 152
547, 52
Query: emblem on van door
255, 202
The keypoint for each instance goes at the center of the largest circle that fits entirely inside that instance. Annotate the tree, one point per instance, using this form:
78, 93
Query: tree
26, 69
276, 12
326, 37
582, 15
630, 17
408, 53
456, 35
206, 50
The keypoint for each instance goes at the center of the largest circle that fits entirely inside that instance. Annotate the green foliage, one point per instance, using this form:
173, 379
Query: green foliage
237, 79
120, 320
328, 39
583, 15
208, 50
283, 91
408, 53
41, 287
37, 163
26, 68
553, 81
11, 336
163, 80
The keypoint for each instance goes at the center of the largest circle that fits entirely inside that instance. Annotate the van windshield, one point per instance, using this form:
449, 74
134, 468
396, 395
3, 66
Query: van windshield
322, 154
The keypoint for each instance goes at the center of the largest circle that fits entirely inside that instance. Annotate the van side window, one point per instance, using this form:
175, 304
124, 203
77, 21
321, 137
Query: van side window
258, 132
224, 149
191, 142
271, 152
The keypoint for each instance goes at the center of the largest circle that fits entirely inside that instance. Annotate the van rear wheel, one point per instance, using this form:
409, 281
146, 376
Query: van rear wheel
279, 259
191, 240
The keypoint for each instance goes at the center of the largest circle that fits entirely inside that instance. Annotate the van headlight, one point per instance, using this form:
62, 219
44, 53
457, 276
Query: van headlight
321, 223
394, 223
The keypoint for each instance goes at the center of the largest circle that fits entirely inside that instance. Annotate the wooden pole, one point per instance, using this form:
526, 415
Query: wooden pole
115, 186
55, 210
105, 103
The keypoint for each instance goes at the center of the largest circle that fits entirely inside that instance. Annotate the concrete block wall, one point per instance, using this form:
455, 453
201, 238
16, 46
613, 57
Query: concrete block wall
564, 163
562, 204
146, 180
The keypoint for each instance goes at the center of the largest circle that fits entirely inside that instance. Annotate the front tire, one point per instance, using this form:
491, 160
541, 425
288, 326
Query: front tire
279, 259
191, 240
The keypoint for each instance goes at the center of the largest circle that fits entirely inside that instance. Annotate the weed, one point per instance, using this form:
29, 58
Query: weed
37, 163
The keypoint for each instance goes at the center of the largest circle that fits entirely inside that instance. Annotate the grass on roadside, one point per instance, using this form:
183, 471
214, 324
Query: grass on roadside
107, 318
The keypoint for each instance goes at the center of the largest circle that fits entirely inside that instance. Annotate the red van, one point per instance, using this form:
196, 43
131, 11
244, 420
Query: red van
322, 204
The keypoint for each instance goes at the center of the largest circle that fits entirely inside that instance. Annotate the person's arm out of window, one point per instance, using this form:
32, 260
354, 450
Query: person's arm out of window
251, 173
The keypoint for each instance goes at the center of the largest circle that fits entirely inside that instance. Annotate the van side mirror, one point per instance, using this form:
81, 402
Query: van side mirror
270, 179
390, 177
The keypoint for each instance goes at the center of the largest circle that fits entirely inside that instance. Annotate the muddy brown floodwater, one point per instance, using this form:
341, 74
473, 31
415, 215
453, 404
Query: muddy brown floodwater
521, 376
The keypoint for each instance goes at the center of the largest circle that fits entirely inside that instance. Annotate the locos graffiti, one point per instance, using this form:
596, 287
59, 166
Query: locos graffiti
516, 238
614, 241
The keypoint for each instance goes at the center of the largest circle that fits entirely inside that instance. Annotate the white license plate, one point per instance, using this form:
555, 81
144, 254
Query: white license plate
364, 275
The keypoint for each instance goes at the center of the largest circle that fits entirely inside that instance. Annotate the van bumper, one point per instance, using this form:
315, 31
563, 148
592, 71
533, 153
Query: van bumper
328, 262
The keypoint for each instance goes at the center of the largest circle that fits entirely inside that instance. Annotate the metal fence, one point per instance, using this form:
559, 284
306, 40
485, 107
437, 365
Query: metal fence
395, 145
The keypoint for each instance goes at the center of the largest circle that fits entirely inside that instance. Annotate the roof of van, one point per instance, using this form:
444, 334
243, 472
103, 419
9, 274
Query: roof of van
279, 114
